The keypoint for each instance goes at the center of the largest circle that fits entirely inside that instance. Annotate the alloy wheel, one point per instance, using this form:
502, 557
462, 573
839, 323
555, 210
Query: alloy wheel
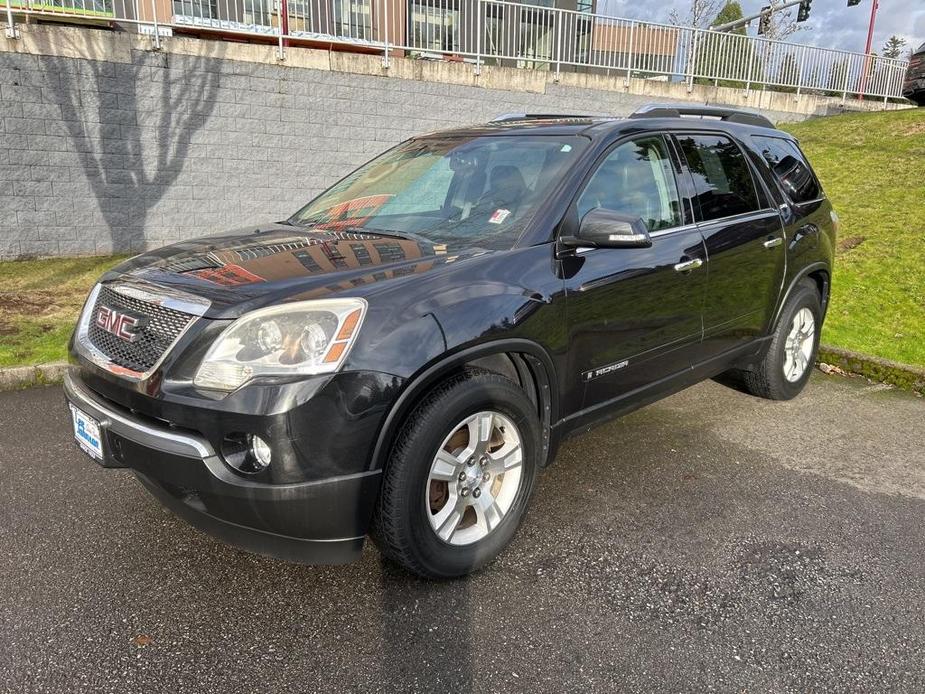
798, 348
474, 478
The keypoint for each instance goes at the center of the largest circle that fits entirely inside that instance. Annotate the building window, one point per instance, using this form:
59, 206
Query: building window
361, 253
390, 252
204, 9
434, 25
260, 12
335, 256
92, 8
308, 262
537, 33
353, 19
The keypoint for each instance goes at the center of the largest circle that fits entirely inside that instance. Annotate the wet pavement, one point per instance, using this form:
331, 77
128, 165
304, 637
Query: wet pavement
712, 541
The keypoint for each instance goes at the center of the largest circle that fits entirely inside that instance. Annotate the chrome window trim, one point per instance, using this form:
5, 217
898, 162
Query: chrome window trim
743, 217
652, 234
734, 219
169, 298
672, 230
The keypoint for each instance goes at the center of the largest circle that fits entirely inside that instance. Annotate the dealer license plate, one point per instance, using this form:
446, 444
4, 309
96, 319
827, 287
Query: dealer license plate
87, 434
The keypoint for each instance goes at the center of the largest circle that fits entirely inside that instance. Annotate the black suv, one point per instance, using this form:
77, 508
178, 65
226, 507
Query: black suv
402, 356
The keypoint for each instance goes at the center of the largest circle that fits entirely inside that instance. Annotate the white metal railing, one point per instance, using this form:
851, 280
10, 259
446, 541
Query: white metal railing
504, 32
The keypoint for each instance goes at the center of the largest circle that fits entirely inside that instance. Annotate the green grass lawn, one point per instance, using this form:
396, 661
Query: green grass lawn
872, 167
39, 303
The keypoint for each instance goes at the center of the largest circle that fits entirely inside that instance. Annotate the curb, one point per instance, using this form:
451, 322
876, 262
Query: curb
902, 376
19, 377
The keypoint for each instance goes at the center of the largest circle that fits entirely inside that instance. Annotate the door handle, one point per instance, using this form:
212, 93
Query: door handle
688, 265
776, 241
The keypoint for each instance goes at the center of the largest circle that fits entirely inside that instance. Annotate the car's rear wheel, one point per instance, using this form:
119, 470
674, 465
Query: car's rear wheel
459, 477
787, 366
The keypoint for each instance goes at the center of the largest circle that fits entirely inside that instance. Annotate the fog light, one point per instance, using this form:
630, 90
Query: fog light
261, 451
247, 453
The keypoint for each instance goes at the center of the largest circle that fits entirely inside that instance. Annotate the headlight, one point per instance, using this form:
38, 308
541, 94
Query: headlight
308, 337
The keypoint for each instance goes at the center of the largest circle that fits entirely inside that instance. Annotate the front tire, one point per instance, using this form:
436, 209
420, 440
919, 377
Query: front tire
788, 364
459, 476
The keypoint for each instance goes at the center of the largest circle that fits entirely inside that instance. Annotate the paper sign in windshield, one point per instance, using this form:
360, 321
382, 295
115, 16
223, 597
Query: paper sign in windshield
499, 216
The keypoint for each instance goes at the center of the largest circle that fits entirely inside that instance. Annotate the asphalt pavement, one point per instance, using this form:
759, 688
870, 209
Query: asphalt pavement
712, 541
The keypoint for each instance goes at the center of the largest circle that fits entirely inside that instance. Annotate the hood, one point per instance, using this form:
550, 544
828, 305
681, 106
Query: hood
259, 266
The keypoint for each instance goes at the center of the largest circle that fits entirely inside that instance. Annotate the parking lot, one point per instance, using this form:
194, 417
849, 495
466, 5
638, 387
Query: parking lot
712, 541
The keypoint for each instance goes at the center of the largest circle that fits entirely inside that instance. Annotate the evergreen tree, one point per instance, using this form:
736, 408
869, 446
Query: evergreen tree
726, 58
893, 48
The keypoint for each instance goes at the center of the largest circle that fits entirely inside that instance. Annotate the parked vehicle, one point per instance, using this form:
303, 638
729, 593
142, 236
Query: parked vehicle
914, 85
403, 355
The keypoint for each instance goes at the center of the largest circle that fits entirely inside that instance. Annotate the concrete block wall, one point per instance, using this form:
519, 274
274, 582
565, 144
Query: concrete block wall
108, 146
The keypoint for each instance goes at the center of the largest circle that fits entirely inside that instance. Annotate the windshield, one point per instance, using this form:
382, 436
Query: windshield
464, 192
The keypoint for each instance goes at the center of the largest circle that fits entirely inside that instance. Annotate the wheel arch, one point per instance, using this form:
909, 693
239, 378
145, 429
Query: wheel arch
521, 360
820, 275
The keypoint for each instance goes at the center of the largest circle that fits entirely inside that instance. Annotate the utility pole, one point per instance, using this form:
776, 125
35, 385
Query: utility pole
870, 39
765, 12
870, 30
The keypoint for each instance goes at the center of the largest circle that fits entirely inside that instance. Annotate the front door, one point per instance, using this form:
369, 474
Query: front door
744, 239
634, 315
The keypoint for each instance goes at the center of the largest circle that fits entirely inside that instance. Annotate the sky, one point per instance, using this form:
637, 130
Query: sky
834, 24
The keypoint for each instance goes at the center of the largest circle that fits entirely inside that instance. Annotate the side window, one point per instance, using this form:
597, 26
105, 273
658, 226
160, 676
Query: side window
636, 179
723, 184
789, 168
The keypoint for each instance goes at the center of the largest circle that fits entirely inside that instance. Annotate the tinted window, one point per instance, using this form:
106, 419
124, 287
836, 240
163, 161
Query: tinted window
789, 167
723, 184
636, 179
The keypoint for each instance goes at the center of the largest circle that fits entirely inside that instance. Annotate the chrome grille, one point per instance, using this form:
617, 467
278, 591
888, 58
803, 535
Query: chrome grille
161, 328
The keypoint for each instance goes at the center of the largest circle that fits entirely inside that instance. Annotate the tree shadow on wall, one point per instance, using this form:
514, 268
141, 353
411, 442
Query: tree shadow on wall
131, 125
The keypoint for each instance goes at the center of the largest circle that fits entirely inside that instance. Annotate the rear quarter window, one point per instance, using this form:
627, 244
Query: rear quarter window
789, 167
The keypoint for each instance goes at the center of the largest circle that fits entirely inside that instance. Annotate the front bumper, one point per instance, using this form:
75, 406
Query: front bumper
318, 521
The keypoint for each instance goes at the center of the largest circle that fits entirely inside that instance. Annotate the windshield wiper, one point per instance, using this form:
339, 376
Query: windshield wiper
293, 223
390, 234
402, 235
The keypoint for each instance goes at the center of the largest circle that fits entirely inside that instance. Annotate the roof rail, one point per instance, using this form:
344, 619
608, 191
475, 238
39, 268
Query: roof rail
730, 115
536, 116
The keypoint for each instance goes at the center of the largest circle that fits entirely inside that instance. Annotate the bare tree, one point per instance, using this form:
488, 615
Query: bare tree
701, 14
129, 170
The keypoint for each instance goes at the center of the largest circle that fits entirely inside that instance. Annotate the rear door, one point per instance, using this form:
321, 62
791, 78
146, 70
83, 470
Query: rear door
634, 313
744, 240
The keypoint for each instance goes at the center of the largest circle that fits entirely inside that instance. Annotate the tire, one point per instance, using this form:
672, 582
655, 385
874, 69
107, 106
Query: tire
768, 379
412, 502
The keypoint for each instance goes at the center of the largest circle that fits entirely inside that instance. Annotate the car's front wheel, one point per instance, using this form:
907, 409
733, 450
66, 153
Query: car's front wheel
459, 477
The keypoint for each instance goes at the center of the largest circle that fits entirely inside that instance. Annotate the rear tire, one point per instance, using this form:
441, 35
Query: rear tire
788, 364
459, 476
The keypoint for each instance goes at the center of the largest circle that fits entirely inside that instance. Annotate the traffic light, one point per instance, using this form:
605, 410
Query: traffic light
764, 21
803, 13
852, 3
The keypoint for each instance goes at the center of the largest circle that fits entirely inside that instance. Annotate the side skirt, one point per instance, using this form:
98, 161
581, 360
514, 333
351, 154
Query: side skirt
587, 419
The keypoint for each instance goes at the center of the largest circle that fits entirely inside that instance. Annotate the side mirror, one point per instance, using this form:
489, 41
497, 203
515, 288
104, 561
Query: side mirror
601, 228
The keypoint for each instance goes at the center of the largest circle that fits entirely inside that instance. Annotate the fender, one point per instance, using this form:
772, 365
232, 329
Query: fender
421, 382
803, 274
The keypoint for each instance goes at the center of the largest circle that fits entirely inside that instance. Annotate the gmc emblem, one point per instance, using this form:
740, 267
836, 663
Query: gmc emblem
122, 325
